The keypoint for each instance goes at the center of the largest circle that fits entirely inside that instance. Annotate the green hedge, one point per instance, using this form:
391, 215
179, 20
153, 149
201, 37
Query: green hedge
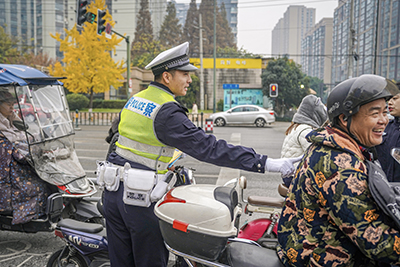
77, 101
286, 119
220, 105
114, 104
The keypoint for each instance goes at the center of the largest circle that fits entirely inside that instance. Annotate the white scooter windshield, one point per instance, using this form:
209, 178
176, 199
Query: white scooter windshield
50, 131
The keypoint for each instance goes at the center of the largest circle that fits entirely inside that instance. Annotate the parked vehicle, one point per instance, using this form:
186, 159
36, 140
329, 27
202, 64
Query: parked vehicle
244, 114
263, 230
200, 224
50, 149
28, 112
86, 243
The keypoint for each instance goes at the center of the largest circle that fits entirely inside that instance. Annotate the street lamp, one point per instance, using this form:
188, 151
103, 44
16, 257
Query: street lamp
215, 49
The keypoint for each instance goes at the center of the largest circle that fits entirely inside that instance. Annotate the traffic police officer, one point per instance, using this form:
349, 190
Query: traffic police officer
152, 124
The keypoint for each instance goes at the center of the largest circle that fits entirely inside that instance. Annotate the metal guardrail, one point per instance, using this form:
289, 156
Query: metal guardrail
197, 119
93, 118
106, 118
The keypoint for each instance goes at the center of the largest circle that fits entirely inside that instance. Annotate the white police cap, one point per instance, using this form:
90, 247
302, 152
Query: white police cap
176, 58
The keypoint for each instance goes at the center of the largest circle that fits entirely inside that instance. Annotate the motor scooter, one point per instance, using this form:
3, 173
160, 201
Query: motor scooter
86, 243
200, 224
45, 120
263, 230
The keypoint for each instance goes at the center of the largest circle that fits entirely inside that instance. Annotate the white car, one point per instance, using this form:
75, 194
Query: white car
244, 114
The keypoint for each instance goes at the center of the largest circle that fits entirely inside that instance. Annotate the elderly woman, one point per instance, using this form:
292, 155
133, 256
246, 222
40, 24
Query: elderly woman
22, 193
7, 117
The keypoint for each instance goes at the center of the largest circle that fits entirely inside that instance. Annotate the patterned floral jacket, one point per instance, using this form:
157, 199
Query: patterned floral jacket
329, 218
22, 193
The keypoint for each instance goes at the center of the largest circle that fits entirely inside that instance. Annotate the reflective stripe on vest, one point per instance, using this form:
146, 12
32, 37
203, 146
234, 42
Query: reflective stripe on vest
138, 141
132, 150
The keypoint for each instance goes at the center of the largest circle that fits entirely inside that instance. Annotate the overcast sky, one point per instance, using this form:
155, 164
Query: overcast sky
257, 18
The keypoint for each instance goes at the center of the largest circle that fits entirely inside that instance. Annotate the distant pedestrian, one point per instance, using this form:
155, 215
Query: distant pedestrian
310, 115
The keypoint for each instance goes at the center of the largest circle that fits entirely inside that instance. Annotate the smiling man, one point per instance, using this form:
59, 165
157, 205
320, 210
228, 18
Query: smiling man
152, 124
329, 218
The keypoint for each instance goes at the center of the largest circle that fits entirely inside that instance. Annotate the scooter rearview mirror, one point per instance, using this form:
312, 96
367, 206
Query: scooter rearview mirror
395, 152
242, 182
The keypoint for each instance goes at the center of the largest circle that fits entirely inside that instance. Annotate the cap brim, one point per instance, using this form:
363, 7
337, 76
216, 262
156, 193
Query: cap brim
188, 67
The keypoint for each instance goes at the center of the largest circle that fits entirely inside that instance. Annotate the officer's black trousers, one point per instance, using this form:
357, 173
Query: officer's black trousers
133, 233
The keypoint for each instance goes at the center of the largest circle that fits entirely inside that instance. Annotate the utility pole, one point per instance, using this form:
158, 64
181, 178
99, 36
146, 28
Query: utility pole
215, 50
351, 42
376, 35
201, 65
128, 62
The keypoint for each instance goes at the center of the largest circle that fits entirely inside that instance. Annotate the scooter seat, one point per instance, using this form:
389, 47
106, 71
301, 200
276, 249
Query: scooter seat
248, 255
266, 201
80, 226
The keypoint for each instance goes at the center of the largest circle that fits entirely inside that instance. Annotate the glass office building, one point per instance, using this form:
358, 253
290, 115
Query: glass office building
366, 41
388, 59
316, 49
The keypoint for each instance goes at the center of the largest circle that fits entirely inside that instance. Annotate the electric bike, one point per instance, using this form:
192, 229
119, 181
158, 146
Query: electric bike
48, 147
263, 230
200, 224
86, 243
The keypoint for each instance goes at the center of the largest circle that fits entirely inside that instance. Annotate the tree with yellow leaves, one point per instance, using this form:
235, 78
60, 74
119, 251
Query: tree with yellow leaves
88, 65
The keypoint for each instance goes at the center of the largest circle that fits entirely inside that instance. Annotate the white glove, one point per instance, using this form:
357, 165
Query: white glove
284, 165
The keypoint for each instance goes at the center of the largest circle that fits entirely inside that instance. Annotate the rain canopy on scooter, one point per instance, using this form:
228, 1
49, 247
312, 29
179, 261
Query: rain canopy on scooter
41, 105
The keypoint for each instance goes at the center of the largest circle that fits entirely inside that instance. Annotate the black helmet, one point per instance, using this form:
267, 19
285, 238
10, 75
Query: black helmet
347, 97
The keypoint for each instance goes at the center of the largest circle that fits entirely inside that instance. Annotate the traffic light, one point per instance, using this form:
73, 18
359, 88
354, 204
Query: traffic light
273, 90
100, 21
90, 17
81, 12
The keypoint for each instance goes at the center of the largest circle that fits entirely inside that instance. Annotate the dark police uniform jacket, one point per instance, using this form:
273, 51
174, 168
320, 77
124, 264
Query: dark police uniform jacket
173, 128
391, 139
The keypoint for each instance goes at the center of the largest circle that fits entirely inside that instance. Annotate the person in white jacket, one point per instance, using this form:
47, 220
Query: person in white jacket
310, 115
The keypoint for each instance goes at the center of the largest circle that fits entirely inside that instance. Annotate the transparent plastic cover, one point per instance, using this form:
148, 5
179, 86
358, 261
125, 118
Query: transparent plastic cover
49, 131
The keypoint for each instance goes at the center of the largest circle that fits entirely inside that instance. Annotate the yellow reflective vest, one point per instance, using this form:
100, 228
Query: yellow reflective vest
137, 140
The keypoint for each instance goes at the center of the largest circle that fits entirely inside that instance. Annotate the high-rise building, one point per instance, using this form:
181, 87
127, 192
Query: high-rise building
124, 13
388, 58
32, 21
277, 47
231, 14
366, 39
316, 51
354, 39
340, 41
290, 30
158, 10
230, 8
181, 12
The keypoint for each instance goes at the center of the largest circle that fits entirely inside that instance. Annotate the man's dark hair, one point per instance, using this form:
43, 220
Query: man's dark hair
158, 77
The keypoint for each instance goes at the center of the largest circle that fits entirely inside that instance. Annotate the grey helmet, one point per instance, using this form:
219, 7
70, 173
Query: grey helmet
347, 97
